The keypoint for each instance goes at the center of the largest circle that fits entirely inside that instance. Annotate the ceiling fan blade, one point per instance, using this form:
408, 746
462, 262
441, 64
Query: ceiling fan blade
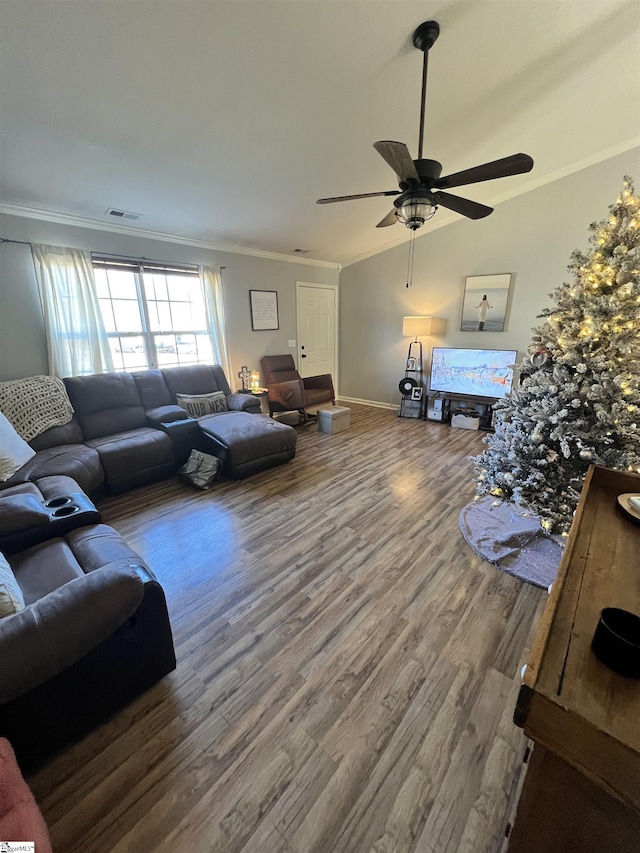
361, 195
389, 219
397, 156
471, 209
517, 164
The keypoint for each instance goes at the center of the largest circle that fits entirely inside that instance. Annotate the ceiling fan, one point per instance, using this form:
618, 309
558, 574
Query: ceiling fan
420, 183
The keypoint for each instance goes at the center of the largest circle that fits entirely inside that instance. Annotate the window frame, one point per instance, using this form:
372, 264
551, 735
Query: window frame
138, 268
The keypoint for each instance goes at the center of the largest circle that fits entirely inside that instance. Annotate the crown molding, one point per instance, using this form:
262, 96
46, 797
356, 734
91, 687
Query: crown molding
533, 184
132, 231
436, 223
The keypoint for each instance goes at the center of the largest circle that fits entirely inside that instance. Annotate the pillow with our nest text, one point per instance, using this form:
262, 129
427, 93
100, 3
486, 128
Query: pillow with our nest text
197, 405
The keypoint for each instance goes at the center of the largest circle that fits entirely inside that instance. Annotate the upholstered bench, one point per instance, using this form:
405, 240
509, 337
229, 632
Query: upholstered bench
247, 443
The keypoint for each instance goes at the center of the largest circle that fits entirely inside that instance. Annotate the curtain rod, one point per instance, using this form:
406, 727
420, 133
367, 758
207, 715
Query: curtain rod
142, 259
21, 242
120, 257
130, 259
102, 254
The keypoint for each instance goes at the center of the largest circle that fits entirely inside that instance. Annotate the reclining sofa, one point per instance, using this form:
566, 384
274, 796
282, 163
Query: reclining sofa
128, 430
87, 629
84, 626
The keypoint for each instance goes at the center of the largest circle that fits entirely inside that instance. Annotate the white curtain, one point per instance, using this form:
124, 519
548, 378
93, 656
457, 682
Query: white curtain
211, 281
77, 343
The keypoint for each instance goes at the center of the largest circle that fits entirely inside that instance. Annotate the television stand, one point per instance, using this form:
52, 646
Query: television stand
441, 405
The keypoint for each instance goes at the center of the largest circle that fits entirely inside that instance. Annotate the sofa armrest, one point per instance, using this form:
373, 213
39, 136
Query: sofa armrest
323, 381
243, 403
47, 520
185, 435
53, 633
165, 415
288, 394
21, 512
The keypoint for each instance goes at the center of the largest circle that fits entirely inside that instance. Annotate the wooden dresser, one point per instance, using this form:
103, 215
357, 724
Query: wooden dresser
582, 787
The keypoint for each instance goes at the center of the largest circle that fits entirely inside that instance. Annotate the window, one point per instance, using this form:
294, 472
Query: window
154, 314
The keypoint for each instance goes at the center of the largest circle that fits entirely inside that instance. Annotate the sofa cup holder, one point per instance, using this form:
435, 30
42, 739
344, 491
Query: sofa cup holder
66, 506
54, 503
65, 511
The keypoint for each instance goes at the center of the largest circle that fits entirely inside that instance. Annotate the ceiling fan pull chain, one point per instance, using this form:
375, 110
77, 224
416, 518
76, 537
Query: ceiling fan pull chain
412, 238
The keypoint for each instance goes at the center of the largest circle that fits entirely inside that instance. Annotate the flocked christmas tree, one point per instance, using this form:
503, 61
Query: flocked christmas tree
579, 399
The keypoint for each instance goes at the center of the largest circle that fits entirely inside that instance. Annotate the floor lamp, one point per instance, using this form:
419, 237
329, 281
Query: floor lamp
412, 386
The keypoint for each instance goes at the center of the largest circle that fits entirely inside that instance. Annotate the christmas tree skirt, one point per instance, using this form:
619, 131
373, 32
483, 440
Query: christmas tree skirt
513, 542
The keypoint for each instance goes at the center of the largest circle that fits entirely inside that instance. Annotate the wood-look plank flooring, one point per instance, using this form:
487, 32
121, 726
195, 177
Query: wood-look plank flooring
347, 666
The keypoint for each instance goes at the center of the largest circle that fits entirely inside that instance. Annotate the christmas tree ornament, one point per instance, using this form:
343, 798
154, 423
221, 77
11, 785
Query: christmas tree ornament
540, 357
579, 397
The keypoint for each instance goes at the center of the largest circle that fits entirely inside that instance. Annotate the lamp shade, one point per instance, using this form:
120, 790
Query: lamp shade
416, 327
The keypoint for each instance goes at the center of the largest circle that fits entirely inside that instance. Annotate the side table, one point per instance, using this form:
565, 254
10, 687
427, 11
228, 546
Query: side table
263, 397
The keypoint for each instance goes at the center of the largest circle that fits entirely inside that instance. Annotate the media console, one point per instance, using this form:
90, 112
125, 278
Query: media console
441, 406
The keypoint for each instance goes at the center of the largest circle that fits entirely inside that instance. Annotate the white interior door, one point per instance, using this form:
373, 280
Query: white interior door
317, 329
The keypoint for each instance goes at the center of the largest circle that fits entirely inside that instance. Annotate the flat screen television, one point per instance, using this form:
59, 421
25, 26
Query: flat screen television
472, 372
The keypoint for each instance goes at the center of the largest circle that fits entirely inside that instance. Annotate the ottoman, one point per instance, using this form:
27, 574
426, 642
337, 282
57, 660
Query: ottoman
247, 443
333, 420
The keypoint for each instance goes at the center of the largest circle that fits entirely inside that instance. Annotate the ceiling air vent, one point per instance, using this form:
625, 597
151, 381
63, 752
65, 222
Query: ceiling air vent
122, 215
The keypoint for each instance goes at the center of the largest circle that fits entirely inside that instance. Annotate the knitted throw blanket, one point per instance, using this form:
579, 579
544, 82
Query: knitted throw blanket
35, 404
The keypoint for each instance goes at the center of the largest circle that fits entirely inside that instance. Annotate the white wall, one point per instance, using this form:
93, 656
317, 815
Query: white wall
22, 342
531, 236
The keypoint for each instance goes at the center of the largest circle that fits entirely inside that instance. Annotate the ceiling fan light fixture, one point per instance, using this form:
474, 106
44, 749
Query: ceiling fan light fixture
414, 212
420, 181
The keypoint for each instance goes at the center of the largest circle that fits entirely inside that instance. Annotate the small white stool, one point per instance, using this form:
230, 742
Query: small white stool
335, 419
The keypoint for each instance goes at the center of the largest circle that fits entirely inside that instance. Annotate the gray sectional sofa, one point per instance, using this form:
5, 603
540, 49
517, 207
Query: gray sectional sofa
128, 430
92, 629
94, 633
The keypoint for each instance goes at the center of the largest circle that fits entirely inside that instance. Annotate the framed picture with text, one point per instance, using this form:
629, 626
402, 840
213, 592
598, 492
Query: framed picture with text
264, 310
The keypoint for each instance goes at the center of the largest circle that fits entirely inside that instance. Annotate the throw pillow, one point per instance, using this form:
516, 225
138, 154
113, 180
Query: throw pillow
14, 451
197, 405
11, 598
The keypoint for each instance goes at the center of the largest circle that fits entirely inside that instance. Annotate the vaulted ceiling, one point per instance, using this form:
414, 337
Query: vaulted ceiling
224, 120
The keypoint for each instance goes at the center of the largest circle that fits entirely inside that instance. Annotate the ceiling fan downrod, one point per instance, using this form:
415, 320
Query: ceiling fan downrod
424, 38
422, 188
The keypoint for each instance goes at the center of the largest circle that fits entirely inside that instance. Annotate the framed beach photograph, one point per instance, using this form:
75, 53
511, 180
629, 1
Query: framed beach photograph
484, 308
264, 310
412, 363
